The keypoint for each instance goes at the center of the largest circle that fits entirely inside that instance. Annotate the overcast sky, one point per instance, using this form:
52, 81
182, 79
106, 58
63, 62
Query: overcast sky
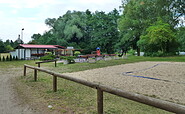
31, 14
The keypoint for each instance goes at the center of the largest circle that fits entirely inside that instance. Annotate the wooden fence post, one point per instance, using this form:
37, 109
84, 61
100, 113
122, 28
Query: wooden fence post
55, 63
99, 101
54, 83
24, 70
38, 64
35, 74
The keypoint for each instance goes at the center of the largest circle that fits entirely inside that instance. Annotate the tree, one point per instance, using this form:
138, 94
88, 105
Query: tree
74, 28
103, 30
140, 14
181, 38
137, 15
82, 30
2, 47
9, 48
159, 38
36, 39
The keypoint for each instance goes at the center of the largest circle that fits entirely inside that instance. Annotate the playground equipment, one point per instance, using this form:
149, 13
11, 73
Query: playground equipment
98, 51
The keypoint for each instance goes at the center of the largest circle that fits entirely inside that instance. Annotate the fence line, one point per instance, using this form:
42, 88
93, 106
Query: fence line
165, 105
46, 62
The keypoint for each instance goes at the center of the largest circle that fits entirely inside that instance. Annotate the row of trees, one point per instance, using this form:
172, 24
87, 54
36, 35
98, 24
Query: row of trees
152, 26
83, 30
8, 45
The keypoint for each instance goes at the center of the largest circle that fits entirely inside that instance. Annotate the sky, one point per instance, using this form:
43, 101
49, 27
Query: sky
31, 14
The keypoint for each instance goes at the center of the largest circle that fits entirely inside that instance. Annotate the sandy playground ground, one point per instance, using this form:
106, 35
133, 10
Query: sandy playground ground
163, 80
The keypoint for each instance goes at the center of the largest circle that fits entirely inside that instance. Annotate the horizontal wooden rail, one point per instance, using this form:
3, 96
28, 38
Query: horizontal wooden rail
165, 105
46, 62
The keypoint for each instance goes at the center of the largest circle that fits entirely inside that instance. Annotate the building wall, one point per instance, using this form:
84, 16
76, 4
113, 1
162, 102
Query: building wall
28, 54
36, 51
13, 53
20, 53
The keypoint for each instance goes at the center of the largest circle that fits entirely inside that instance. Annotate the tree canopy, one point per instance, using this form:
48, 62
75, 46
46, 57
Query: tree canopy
143, 24
83, 30
153, 26
138, 15
159, 38
7, 46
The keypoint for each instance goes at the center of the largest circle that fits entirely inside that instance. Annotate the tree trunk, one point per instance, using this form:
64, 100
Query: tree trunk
138, 51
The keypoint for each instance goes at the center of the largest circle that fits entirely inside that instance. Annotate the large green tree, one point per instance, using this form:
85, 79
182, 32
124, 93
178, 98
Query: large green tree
140, 14
137, 15
104, 32
83, 30
181, 38
159, 38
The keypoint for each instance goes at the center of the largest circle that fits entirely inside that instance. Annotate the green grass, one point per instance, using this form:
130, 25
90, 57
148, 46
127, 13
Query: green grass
75, 98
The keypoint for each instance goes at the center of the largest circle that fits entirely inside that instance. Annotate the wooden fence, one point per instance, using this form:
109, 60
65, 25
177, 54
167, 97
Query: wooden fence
165, 105
46, 62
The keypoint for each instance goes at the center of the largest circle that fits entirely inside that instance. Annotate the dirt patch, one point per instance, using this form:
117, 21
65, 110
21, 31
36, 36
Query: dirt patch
167, 79
8, 99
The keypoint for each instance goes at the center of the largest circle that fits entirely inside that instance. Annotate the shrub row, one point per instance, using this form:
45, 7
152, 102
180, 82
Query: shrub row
9, 58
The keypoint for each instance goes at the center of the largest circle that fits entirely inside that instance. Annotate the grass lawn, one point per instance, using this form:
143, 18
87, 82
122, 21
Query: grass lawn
75, 98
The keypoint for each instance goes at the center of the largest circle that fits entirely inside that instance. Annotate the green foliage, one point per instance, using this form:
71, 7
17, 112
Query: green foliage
159, 54
11, 58
16, 58
7, 58
9, 48
82, 30
104, 32
48, 57
181, 38
159, 40
70, 59
4, 58
2, 47
131, 52
77, 53
138, 15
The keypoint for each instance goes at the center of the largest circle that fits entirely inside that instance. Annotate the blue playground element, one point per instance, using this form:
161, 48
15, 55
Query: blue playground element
97, 48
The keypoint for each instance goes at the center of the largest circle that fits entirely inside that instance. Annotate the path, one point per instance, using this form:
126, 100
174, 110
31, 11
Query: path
8, 102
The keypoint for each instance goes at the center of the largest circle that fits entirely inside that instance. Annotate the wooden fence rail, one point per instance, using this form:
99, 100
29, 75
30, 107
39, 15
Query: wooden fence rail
165, 105
46, 62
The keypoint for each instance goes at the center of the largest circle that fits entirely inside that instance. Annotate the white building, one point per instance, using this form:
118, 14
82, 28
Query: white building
29, 51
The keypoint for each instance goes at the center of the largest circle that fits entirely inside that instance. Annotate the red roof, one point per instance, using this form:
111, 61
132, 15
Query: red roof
59, 46
38, 46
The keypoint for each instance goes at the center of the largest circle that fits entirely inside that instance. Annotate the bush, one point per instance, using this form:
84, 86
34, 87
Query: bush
13, 58
77, 53
7, 58
131, 52
48, 57
16, 58
10, 57
70, 59
159, 54
48, 53
3, 58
